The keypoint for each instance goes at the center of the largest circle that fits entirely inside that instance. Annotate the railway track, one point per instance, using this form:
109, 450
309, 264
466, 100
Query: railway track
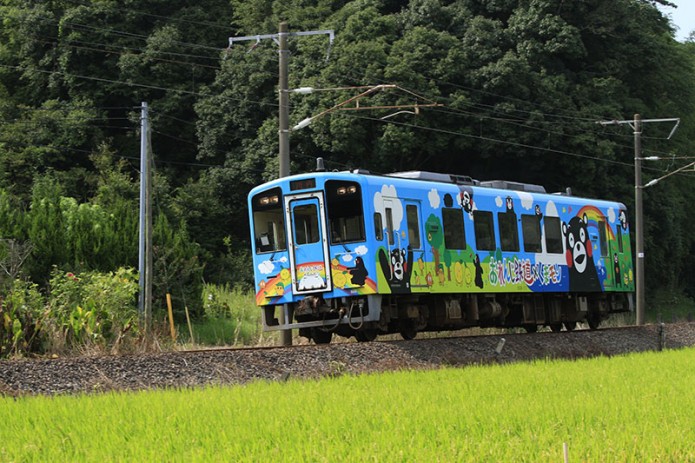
194, 368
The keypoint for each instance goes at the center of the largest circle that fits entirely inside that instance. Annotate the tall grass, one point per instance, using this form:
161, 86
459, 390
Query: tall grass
231, 317
631, 408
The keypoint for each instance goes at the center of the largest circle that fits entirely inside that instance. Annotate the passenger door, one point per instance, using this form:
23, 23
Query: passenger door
309, 262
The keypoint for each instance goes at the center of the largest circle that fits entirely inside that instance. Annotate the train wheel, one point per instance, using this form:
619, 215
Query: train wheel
408, 330
570, 326
531, 328
594, 320
320, 336
366, 335
555, 327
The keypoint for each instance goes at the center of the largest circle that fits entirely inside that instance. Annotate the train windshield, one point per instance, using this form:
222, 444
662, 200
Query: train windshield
345, 214
269, 221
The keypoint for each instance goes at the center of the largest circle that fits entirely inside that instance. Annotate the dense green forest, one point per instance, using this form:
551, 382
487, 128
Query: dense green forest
522, 84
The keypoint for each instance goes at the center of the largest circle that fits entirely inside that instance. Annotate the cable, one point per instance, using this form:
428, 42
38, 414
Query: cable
150, 87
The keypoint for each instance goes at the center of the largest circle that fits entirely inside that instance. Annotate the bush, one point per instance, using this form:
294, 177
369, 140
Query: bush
92, 309
21, 316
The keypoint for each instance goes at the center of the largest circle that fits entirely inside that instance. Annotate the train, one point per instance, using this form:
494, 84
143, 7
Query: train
354, 253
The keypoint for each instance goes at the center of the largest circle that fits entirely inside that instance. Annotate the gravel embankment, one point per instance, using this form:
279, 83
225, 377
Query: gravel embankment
192, 369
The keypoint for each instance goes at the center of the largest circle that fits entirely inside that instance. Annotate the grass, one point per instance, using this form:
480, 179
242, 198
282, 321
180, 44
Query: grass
669, 306
630, 408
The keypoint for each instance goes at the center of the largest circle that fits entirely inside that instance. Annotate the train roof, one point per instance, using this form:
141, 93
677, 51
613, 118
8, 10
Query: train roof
431, 177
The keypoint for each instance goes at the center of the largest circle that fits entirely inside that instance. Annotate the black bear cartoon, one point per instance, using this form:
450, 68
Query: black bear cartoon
359, 272
539, 214
478, 272
622, 217
580, 263
616, 268
397, 268
466, 199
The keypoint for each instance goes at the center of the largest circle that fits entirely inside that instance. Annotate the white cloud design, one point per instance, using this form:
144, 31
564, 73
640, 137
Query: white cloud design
361, 250
498, 201
266, 267
611, 215
434, 198
551, 209
526, 200
347, 257
389, 191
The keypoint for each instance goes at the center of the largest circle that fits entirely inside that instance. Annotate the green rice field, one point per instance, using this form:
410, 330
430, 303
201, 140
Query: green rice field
637, 408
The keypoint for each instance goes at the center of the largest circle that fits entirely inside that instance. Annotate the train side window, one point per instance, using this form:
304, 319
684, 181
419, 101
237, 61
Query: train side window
603, 242
389, 225
620, 239
484, 230
378, 227
509, 233
454, 234
553, 235
413, 226
531, 231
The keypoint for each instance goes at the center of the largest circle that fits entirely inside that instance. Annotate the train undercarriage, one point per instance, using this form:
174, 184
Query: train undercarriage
367, 317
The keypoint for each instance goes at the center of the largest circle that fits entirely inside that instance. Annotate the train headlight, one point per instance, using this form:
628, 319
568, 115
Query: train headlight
264, 201
346, 190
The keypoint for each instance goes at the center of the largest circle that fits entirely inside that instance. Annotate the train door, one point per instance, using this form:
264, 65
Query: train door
309, 262
605, 257
404, 239
416, 245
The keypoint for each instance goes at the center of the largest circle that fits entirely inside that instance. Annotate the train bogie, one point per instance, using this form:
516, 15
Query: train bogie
355, 254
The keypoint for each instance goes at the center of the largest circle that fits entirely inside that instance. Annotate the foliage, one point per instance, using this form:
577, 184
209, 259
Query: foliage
91, 308
522, 82
234, 312
21, 318
627, 408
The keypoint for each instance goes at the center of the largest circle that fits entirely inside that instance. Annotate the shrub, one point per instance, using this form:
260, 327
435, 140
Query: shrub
21, 315
222, 305
92, 308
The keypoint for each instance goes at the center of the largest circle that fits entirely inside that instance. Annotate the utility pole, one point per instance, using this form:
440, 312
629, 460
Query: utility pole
284, 116
145, 238
284, 96
636, 125
639, 227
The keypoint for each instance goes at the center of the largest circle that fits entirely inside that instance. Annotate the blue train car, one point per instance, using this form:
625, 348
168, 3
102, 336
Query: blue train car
356, 254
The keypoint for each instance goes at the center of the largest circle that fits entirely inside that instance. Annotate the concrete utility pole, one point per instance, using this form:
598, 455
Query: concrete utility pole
639, 228
145, 241
284, 114
636, 125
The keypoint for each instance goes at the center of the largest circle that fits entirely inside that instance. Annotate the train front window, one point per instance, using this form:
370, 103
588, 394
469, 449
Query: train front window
345, 213
269, 221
